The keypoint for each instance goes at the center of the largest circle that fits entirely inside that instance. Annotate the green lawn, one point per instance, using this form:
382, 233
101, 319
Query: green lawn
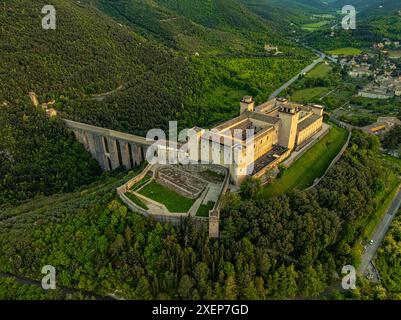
315, 25
310, 166
136, 200
319, 71
204, 209
307, 95
173, 201
139, 184
345, 51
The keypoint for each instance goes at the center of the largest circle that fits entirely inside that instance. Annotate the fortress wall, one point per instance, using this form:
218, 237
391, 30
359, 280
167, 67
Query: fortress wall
214, 214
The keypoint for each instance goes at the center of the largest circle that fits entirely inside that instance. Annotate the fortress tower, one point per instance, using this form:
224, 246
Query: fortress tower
289, 116
247, 104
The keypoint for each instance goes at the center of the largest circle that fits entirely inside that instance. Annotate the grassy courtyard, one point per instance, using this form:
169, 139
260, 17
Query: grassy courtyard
310, 166
204, 209
394, 54
136, 200
173, 201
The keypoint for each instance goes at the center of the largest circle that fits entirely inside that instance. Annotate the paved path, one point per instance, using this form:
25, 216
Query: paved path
30, 282
295, 78
102, 96
380, 233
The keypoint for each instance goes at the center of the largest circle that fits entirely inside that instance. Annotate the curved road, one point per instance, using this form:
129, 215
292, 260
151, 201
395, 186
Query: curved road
380, 233
27, 281
321, 55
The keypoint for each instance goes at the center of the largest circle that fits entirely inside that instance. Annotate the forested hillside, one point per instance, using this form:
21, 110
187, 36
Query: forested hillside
39, 156
87, 54
207, 27
142, 83
368, 8
376, 19
277, 248
388, 25
367, 33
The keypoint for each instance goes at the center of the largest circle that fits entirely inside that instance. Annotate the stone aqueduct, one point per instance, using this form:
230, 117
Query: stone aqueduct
112, 149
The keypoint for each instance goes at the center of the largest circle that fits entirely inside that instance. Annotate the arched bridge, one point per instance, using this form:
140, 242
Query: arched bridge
112, 149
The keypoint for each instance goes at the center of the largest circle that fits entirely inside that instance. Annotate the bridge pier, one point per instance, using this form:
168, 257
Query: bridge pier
126, 155
112, 152
110, 148
137, 150
97, 150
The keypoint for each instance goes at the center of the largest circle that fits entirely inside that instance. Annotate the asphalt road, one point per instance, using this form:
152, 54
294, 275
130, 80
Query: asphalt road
380, 233
38, 284
295, 78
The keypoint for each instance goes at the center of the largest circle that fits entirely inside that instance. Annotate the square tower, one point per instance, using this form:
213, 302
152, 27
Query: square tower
289, 116
247, 104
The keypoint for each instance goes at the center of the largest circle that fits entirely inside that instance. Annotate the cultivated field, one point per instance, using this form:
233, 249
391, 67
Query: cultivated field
345, 51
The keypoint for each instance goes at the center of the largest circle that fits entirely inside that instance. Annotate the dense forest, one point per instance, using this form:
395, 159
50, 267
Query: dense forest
39, 156
282, 247
392, 139
11, 289
389, 259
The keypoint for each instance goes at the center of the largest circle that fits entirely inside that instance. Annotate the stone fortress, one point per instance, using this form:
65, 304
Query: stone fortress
281, 131
279, 127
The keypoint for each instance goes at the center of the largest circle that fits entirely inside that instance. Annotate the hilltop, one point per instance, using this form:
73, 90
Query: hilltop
87, 54
208, 27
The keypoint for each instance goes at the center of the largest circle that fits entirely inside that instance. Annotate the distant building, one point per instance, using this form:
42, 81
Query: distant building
359, 71
383, 124
384, 87
375, 93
